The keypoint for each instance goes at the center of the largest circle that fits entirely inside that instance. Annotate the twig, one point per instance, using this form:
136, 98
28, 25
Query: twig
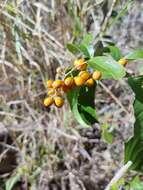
7, 148
114, 98
33, 30
12, 115
70, 137
106, 20
119, 175
94, 5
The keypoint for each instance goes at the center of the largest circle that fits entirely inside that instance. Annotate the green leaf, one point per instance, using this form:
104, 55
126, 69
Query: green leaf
99, 49
73, 48
87, 39
115, 52
114, 187
82, 105
136, 54
73, 100
78, 26
12, 181
87, 51
134, 147
84, 49
119, 183
108, 66
91, 50
10, 9
106, 134
136, 184
114, 14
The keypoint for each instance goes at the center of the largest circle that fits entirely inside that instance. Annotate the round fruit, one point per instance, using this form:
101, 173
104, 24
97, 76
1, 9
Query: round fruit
123, 61
96, 75
57, 84
89, 82
48, 101
80, 64
59, 101
78, 81
69, 81
51, 92
85, 75
49, 83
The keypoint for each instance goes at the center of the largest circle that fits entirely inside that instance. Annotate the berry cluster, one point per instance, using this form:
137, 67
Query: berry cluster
57, 88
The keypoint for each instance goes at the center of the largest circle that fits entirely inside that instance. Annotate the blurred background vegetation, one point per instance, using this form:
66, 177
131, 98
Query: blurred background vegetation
45, 148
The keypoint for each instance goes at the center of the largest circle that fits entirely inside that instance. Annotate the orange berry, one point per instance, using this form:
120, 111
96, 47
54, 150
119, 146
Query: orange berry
97, 75
69, 81
80, 64
123, 61
89, 82
59, 101
85, 75
49, 83
78, 81
57, 84
51, 92
48, 101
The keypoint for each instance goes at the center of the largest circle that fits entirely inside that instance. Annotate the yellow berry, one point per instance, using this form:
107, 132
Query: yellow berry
80, 64
78, 81
85, 75
69, 81
97, 75
59, 101
89, 82
123, 61
51, 92
57, 84
49, 83
48, 101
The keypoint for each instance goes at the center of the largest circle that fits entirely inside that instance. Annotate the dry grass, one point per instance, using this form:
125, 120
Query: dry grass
53, 151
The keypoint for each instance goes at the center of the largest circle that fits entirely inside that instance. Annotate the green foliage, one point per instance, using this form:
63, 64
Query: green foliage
87, 39
10, 9
136, 54
108, 66
106, 134
86, 51
82, 99
98, 49
85, 48
134, 147
115, 52
136, 184
73, 48
78, 27
12, 181
82, 105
